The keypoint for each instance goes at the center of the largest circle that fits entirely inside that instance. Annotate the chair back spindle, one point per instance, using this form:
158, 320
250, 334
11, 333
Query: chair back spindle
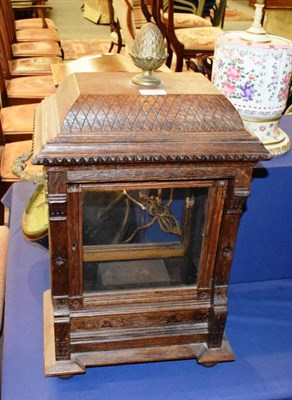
124, 10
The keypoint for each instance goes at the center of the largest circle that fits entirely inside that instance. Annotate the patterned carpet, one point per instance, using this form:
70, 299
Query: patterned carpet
235, 15
76, 48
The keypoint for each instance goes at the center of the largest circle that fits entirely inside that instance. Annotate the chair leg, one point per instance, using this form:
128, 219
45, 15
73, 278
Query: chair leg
193, 66
179, 63
169, 58
111, 47
207, 62
188, 61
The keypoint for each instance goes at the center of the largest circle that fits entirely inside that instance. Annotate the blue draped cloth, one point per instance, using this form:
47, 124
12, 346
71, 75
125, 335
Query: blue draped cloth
259, 325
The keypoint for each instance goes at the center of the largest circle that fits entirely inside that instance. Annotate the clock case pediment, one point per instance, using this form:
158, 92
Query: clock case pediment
89, 121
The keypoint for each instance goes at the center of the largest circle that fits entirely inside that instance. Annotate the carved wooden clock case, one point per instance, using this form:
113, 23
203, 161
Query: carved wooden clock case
145, 192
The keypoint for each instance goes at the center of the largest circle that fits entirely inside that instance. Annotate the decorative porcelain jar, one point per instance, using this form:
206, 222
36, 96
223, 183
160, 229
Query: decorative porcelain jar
253, 70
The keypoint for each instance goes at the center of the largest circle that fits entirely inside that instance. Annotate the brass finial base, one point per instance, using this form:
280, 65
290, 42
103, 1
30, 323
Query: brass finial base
146, 79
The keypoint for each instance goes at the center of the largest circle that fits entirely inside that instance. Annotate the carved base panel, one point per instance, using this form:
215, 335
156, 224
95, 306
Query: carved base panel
80, 360
51, 366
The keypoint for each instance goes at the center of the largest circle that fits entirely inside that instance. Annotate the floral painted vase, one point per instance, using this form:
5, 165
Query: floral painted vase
255, 76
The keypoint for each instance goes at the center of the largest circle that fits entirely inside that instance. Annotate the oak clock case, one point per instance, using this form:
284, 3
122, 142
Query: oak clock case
145, 192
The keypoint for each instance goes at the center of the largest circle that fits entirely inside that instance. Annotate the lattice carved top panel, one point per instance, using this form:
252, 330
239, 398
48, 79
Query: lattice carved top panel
135, 113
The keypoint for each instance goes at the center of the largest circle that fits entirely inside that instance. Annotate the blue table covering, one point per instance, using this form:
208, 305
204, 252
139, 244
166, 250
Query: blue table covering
264, 249
259, 324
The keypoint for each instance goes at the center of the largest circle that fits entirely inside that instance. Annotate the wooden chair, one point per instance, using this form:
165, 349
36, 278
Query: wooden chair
217, 13
43, 48
146, 6
138, 15
116, 34
187, 6
187, 43
186, 16
124, 10
26, 66
16, 122
24, 90
37, 22
14, 143
211, 10
29, 34
9, 154
207, 64
15, 165
190, 18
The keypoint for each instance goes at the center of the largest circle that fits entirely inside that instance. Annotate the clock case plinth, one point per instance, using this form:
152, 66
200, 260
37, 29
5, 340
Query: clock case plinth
99, 131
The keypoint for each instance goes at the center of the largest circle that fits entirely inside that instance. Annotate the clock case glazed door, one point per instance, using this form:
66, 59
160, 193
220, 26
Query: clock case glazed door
142, 236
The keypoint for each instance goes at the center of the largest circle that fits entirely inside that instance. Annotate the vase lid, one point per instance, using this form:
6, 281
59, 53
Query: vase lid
255, 37
256, 32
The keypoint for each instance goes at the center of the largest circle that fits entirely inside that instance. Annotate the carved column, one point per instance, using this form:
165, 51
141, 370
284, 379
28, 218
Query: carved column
57, 202
233, 209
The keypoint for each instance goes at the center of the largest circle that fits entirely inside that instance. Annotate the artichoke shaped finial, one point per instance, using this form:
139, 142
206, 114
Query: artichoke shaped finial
148, 53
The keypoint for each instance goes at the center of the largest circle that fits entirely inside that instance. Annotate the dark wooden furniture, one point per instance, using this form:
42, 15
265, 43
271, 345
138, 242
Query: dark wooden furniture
115, 29
16, 114
145, 193
187, 44
275, 4
29, 48
278, 4
31, 14
27, 66
146, 6
24, 89
33, 34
